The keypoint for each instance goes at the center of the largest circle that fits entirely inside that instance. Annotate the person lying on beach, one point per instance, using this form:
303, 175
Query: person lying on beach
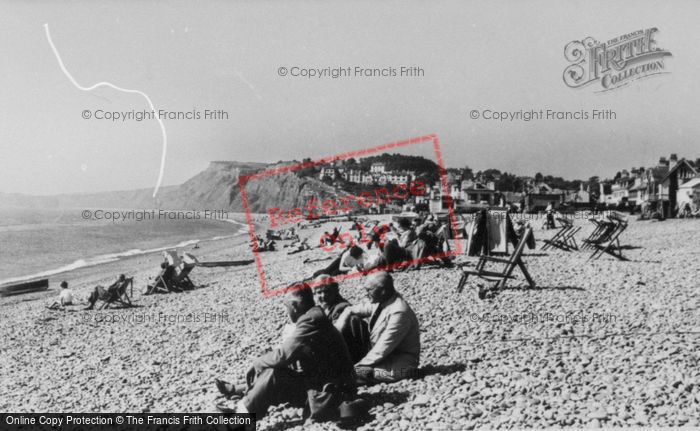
64, 298
101, 293
299, 247
394, 342
164, 280
349, 259
356, 333
312, 359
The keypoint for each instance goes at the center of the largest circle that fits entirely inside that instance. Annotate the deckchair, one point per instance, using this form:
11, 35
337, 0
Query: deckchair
610, 243
602, 230
560, 239
118, 295
500, 278
570, 237
161, 285
182, 279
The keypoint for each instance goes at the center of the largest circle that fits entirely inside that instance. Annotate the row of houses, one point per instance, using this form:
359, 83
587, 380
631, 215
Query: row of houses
666, 187
377, 174
470, 195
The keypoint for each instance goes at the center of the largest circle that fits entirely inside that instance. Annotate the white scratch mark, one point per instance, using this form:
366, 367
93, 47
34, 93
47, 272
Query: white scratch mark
246, 82
110, 85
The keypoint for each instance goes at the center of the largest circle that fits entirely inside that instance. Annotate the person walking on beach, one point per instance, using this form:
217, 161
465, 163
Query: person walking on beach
394, 342
312, 359
549, 211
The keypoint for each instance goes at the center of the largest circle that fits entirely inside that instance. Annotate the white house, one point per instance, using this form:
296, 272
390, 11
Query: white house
687, 191
377, 167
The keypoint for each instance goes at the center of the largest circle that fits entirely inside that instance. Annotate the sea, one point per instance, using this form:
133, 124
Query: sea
41, 243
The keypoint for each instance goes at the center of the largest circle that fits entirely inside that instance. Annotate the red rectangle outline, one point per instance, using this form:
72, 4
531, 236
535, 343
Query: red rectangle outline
244, 179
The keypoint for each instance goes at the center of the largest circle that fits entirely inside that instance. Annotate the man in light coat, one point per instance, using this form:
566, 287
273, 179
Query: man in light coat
394, 340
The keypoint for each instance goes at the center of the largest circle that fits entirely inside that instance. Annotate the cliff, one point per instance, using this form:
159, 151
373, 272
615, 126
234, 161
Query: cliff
214, 188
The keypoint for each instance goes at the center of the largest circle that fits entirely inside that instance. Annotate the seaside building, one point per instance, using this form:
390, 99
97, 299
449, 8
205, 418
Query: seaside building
689, 193
326, 172
475, 193
579, 196
378, 168
680, 172
605, 196
661, 187
620, 188
539, 201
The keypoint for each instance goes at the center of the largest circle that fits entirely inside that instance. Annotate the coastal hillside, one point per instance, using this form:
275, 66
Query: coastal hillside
214, 188
217, 188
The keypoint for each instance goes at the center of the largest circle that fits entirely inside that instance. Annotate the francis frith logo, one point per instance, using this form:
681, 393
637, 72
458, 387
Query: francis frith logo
615, 63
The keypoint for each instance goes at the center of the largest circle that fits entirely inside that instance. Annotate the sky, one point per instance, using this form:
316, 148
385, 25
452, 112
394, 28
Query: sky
225, 55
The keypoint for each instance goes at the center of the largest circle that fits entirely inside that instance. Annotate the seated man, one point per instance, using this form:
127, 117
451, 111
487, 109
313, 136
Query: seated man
311, 357
101, 293
394, 345
356, 333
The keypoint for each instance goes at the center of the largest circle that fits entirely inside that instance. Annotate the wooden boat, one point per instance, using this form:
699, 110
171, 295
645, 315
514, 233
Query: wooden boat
225, 263
24, 287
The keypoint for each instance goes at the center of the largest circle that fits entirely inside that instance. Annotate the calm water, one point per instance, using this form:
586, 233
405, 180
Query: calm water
45, 242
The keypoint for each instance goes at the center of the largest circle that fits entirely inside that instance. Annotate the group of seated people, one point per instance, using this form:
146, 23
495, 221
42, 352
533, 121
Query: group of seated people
390, 245
333, 348
414, 240
114, 290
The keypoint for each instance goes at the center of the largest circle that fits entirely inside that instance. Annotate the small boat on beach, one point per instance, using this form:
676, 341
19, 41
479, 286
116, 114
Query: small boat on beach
24, 287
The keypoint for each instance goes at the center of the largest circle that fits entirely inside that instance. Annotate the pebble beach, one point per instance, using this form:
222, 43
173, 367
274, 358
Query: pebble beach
602, 343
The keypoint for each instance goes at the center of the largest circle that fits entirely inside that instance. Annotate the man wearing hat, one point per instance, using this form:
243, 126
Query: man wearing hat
312, 360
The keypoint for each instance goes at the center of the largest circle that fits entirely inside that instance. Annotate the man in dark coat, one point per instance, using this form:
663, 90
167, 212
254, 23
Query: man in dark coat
356, 333
313, 356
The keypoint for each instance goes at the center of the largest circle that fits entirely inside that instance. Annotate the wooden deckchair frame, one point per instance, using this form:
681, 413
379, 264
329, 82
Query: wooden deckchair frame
610, 244
170, 287
570, 237
561, 238
182, 279
602, 231
119, 296
502, 277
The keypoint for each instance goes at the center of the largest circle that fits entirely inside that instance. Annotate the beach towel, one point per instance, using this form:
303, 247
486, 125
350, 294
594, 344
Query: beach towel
496, 229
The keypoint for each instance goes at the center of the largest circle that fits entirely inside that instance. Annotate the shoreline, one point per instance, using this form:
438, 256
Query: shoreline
126, 262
